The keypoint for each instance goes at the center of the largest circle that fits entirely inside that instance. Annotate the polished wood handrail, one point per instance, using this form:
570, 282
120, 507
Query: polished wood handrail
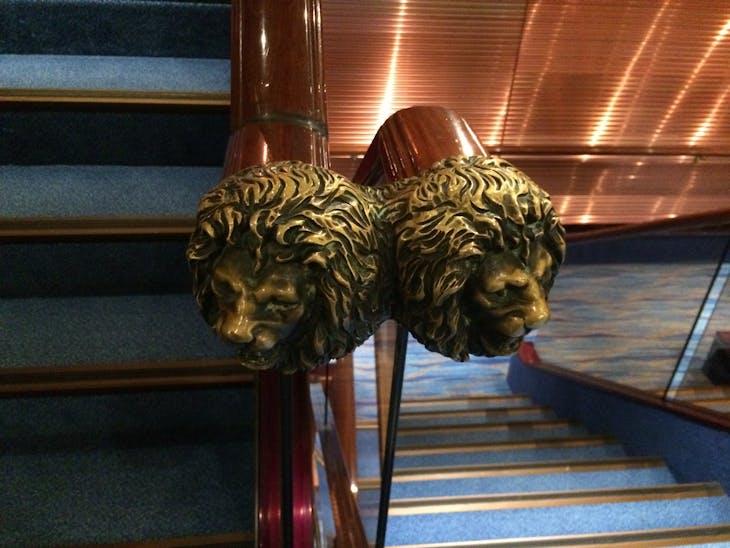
278, 113
713, 222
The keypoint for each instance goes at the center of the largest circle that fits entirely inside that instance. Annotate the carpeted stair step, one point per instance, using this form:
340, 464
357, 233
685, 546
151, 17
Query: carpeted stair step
413, 437
164, 28
113, 134
70, 331
421, 405
701, 536
643, 477
109, 79
569, 513
83, 191
89, 268
127, 467
569, 447
474, 416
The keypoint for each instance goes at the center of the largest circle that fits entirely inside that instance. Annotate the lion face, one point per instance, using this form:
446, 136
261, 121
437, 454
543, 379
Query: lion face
285, 265
260, 311
505, 299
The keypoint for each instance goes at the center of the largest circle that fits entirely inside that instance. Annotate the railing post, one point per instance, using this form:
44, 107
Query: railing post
278, 113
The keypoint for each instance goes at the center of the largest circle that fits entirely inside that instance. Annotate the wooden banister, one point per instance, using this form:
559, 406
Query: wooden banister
278, 113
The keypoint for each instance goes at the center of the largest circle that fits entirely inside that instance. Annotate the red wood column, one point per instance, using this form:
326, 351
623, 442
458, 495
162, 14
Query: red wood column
409, 141
412, 140
278, 113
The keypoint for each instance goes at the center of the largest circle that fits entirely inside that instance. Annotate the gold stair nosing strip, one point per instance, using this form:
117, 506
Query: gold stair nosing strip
568, 441
476, 503
115, 97
647, 538
486, 427
470, 471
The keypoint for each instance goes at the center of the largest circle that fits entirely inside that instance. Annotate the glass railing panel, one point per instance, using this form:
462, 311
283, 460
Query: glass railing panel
702, 376
623, 310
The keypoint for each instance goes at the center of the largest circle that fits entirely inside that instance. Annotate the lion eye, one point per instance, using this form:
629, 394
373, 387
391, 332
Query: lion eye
224, 290
499, 293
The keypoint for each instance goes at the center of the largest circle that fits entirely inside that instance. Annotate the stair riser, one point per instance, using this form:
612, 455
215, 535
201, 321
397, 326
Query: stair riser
96, 27
121, 137
442, 438
98, 268
115, 330
524, 455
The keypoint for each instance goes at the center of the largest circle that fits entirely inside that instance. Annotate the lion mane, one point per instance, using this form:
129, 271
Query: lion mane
445, 221
296, 212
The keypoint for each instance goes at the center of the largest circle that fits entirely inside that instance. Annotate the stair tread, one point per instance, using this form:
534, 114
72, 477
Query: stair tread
125, 466
104, 329
466, 402
525, 454
103, 190
558, 520
166, 491
644, 477
700, 536
488, 433
26, 76
539, 498
534, 442
526, 467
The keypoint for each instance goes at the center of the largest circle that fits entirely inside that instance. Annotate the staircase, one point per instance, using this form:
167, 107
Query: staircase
122, 418
500, 471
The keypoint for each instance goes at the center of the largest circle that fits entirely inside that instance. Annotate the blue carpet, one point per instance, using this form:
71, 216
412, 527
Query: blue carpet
124, 467
639, 477
517, 455
94, 268
123, 494
496, 417
98, 190
581, 519
118, 73
117, 137
88, 330
39, 424
102, 27
510, 434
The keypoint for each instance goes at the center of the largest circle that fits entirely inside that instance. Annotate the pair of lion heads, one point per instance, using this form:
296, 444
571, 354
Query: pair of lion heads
297, 265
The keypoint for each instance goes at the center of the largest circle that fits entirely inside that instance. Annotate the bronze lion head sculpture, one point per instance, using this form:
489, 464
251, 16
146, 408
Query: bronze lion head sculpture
478, 245
284, 263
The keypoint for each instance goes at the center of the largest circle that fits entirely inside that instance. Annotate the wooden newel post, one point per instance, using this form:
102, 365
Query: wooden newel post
278, 113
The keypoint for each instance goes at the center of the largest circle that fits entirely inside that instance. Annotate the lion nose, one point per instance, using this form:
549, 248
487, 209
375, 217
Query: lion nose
536, 310
238, 325
238, 330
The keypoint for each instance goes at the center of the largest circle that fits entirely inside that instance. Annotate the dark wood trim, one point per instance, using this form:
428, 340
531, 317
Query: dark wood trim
340, 389
43, 229
714, 222
268, 461
95, 378
228, 540
529, 357
349, 529
106, 97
